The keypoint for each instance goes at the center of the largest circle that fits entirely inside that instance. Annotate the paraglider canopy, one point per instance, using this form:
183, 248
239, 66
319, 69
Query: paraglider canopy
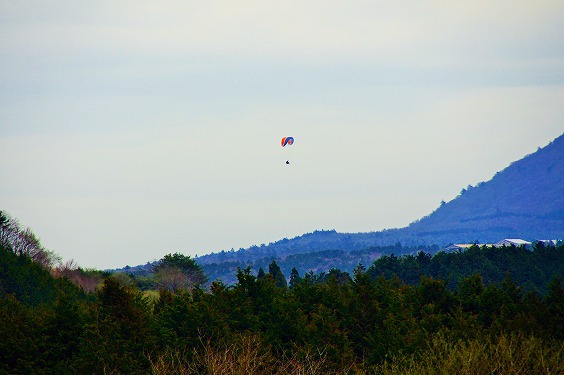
287, 141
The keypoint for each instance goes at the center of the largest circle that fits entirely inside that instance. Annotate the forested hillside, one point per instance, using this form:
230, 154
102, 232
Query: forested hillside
369, 321
482, 310
532, 269
318, 262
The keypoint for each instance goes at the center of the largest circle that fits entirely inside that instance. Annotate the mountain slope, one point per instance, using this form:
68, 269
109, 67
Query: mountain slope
525, 200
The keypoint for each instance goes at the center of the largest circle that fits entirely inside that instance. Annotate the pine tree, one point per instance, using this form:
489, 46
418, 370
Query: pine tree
294, 278
277, 275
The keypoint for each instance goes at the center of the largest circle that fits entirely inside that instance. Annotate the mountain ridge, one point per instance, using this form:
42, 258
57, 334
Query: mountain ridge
524, 200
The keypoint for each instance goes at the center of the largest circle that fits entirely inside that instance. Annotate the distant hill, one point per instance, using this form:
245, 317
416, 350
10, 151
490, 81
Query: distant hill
525, 200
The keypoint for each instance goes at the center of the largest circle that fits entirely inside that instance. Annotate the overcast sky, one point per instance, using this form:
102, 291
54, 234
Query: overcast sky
133, 129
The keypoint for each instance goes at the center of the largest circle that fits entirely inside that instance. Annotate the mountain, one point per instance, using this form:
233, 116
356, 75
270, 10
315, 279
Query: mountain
525, 200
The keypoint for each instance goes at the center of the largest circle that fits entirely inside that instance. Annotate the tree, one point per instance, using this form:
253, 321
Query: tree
24, 241
177, 271
469, 291
8, 230
119, 333
22, 348
64, 328
277, 275
338, 276
555, 303
294, 277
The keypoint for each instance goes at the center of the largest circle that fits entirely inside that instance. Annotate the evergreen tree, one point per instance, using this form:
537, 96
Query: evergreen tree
65, 328
261, 273
23, 349
119, 332
277, 275
555, 302
294, 278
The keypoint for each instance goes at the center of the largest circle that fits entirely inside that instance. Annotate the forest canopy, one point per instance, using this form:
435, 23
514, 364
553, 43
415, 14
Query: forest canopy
372, 320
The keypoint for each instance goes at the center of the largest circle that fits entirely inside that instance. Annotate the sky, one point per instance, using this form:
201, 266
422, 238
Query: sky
134, 129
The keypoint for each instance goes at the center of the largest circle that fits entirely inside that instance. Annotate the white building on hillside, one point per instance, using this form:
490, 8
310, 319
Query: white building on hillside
458, 246
505, 242
513, 242
549, 242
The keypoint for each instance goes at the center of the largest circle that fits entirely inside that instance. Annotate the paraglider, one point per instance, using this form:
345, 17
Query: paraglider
287, 141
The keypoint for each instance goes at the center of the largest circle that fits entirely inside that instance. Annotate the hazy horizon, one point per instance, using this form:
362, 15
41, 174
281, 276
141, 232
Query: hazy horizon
129, 130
